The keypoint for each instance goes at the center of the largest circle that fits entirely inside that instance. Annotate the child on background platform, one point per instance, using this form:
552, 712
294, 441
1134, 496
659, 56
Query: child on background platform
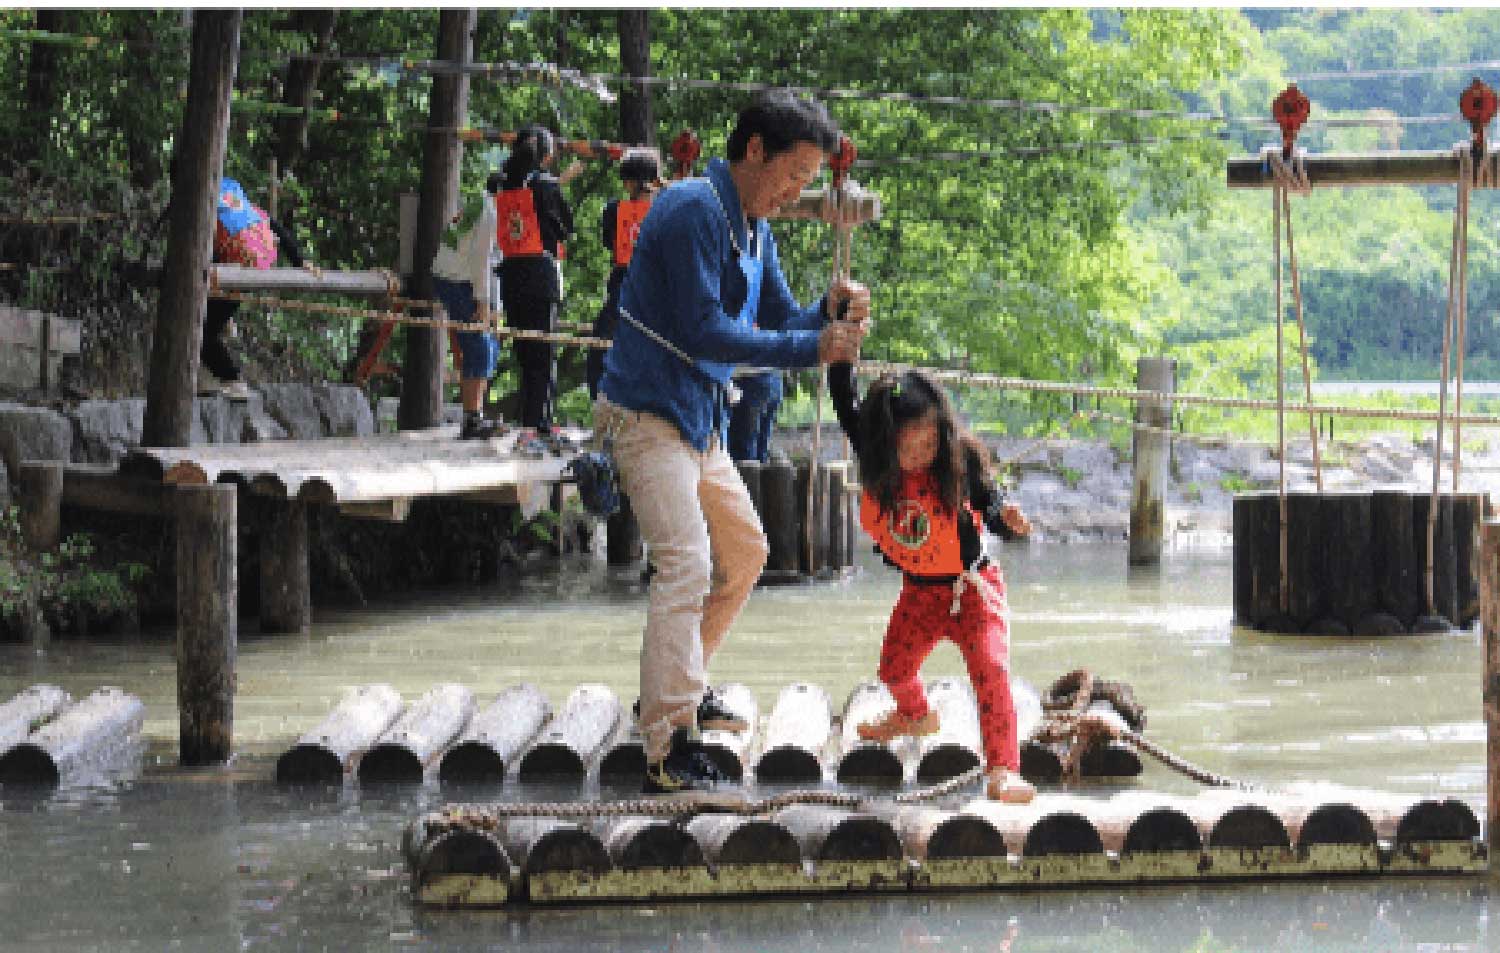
640, 170
927, 491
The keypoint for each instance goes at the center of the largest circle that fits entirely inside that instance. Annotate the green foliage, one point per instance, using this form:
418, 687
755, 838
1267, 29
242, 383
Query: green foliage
62, 586
1236, 483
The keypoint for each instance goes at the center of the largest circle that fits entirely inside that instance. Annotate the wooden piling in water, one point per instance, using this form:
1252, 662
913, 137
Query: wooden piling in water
95, 740
1151, 452
780, 516
796, 735
577, 737
622, 536
861, 760
409, 748
494, 737
207, 621
839, 553
285, 586
324, 754
1489, 620
39, 490
28, 711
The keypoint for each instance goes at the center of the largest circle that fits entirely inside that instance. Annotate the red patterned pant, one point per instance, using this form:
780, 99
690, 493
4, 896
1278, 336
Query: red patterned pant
921, 619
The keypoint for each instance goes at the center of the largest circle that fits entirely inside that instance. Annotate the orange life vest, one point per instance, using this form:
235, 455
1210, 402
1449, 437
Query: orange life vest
921, 536
628, 217
518, 233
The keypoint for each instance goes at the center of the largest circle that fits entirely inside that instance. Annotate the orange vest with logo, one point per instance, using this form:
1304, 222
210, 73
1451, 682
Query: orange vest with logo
628, 217
519, 233
921, 536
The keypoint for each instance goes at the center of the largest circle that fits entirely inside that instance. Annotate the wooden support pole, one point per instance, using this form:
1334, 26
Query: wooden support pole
285, 592
39, 487
622, 537
1149, 457
1489, 614
197, 166
422, 384
1435, 167
779, 495
207, 621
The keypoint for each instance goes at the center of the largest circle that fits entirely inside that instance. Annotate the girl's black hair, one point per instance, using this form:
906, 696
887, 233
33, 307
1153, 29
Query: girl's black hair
532, 147
892, 402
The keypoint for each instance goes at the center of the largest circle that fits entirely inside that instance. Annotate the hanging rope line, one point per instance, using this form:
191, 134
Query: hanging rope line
1397, 71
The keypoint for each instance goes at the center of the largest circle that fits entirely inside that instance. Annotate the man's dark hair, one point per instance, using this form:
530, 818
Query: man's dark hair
640, 165
782, 120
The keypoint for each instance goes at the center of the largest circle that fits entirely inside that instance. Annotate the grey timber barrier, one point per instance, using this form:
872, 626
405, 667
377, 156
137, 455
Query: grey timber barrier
1058, 840
93, 741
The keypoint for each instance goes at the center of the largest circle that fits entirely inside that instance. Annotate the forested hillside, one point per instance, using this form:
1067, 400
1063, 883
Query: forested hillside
1055, 241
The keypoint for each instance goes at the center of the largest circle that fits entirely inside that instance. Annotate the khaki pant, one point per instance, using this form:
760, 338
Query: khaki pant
704, 538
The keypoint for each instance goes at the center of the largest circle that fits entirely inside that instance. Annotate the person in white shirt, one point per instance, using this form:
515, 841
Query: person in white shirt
461, 281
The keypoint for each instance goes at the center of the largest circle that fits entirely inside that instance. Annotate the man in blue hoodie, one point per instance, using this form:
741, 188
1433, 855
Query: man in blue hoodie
705, 293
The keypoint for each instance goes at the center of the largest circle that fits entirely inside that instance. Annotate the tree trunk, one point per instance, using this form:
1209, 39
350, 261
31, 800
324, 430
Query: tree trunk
422, 375
301, 84
41, 83
184, 293
142, 139
637, 125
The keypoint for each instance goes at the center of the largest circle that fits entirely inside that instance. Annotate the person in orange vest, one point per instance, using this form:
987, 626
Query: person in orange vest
640, 169
927, 494
534, 222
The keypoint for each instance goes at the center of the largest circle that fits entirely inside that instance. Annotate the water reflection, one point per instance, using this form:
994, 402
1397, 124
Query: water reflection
216, 860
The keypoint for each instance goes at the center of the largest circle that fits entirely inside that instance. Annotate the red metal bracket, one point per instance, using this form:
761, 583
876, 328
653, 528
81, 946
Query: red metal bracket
1290, 110
685, 150
1478, 106
842, 161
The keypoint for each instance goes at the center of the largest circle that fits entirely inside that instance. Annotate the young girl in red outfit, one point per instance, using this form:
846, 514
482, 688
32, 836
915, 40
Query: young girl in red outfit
927, 492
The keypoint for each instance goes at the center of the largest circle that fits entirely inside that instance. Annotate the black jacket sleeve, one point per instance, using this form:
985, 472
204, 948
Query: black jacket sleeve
554, 216
987, 497
845, 401
286, 242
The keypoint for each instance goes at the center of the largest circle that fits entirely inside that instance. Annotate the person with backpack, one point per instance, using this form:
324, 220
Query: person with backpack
640, 170
244, 234
534, 222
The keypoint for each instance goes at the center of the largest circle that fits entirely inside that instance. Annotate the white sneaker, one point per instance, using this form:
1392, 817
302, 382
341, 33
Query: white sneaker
237, 391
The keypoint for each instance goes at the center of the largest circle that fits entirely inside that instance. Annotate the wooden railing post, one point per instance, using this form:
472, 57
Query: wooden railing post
1151, 452
1489, 615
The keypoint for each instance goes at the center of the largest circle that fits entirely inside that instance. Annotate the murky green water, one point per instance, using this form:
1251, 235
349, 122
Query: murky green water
216, 860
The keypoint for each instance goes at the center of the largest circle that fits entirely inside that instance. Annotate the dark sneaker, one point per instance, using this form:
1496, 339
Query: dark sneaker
685, 769
714, 716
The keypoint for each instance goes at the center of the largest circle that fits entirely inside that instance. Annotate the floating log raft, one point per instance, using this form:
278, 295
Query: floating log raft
861, 760
94, 741
328, 752
576, 739
796, 735
487, 748
28, 711
410, 746
1135, 837
1356, 562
